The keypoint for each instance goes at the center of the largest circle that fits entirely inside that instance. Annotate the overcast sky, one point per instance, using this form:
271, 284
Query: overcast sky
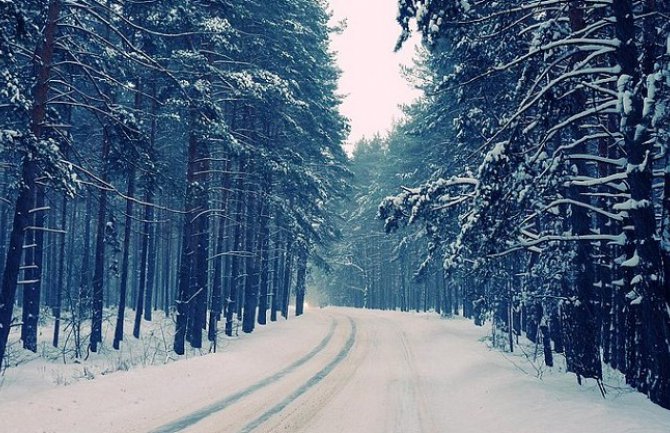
371, 75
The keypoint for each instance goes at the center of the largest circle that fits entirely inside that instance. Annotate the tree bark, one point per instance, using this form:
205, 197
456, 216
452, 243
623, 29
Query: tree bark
276, 275
264, 251
123, 290
300, 280
651, 321
30, 194
232, 302
193, 268
251, 280
288, 271
144, 260
99, 272
217, 284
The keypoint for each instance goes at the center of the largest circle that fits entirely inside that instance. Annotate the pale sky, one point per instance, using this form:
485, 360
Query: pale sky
371, 81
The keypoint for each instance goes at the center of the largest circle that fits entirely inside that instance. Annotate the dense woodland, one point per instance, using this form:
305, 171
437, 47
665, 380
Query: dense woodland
172, 155
530, 185
187, 156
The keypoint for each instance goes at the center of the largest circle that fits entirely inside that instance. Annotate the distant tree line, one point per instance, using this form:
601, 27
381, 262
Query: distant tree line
173, 155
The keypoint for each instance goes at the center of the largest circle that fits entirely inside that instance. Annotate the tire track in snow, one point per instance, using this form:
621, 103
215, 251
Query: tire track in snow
188, 420
299, 416
313, 381
426, 421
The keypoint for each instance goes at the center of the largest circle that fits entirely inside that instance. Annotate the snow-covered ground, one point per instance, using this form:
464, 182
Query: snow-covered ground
335, 370
56, 367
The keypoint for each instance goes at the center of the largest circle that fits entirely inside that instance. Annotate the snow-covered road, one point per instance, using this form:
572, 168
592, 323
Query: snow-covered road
340, 370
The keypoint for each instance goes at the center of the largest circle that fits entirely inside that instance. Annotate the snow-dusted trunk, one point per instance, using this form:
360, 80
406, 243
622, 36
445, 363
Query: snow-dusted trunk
33, 269
603, 260
665, 205
14, 253
651, 321
582, 332
28, 194
34, 247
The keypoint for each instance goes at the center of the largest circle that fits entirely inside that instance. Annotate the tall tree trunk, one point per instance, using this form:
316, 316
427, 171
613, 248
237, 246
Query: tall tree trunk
264, 251
583, 351
80, 305
665, 236
99, 272
191, 305
275, 303
199, 240
146, 273
151, 267
33, 270
150, 227
30, 193
59, 286
4, 217
29, 174
217, 284
300, 280
123, 290
288, 272
236, 260
15, 250
252, 259
167, 266
604, 260
220, 290
651, 305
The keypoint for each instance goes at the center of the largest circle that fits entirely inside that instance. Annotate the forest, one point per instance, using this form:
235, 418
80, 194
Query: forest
186, 156
163, 155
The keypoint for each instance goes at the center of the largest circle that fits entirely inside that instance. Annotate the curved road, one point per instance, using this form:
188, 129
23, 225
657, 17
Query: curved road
367, 368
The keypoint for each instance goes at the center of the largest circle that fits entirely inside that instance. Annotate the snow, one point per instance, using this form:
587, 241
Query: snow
632, 262
625, 101
631, 204
650, 98
496, 154
336, 370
